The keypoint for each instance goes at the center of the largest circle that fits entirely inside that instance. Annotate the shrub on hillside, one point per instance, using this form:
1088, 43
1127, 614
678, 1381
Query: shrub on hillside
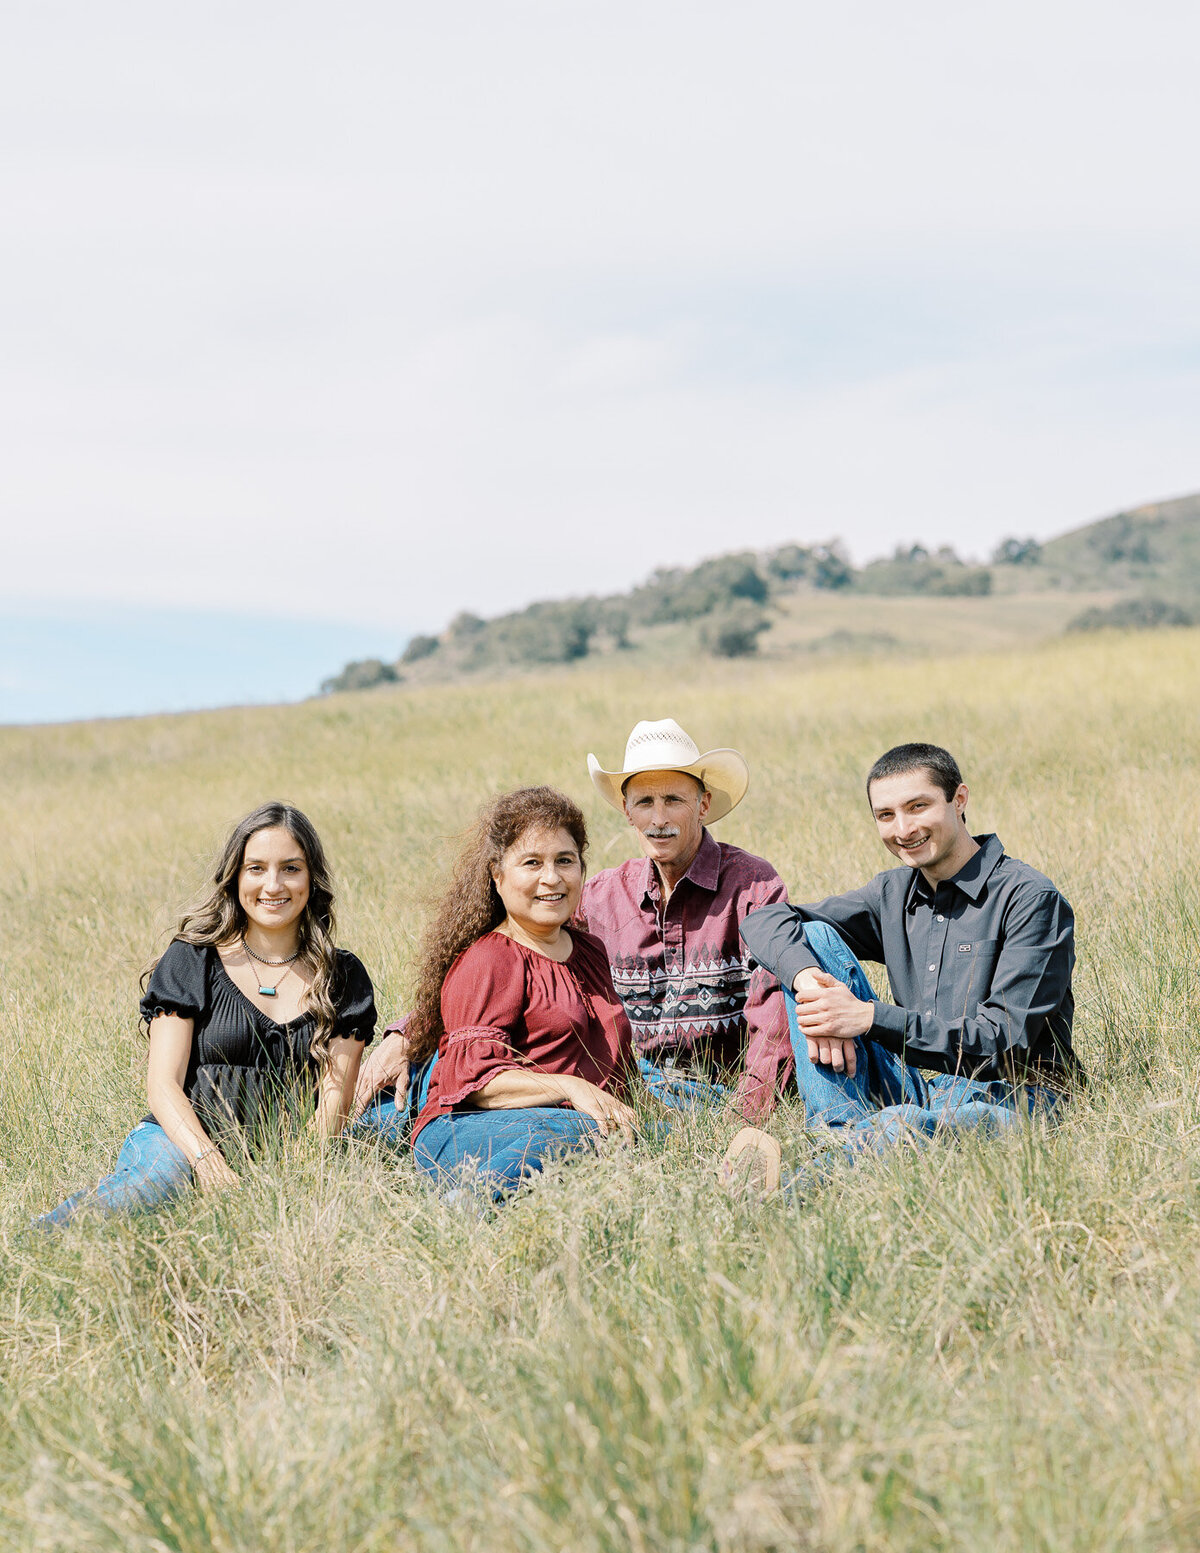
1017, 552
689, 595
362, 674
790, 562
913, 570
1122, 538
1143, 614
420, 647
467, 641
830, 567
466, 626
611, 619
543, 633
824, 566
734, 632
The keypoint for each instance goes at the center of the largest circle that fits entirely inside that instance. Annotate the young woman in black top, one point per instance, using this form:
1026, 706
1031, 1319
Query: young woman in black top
251, 1011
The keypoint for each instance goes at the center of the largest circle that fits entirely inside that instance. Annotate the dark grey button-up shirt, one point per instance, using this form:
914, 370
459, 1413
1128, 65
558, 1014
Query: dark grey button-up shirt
980, 968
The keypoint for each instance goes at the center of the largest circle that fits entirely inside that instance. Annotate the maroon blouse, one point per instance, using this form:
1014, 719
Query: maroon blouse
505, 1006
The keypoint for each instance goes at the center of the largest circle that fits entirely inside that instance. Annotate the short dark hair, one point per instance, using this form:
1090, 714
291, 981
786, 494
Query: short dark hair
940, 764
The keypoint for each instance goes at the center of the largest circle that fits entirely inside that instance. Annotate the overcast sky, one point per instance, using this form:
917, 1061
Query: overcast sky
371, 312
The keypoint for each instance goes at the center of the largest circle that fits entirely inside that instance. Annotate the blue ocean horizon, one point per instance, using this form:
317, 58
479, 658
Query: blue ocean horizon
66, 664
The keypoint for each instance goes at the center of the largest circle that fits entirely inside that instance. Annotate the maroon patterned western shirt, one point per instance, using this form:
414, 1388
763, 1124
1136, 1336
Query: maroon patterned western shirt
693, 994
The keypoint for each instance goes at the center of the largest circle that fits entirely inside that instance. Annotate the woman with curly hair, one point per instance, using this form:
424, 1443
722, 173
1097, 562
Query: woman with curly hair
533, 1048
252, 1012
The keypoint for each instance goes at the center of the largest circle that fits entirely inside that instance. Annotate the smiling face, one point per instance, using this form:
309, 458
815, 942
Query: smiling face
539, 881
667, 809
273, 881
921, 826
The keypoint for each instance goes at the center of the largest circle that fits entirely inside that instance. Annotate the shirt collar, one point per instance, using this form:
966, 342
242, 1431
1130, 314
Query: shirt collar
705, 869
970, 878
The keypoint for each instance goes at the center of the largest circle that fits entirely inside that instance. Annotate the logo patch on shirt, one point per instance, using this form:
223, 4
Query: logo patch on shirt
965, 948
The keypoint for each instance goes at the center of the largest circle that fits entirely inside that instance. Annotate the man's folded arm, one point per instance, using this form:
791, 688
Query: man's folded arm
1030, 980
775, 935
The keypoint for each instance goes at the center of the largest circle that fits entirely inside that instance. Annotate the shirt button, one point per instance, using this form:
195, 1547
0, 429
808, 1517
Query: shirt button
928, 1013
939, 917
933, 967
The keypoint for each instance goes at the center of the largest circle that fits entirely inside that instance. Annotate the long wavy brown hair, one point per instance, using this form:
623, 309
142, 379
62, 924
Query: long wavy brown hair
219, 920
471, 905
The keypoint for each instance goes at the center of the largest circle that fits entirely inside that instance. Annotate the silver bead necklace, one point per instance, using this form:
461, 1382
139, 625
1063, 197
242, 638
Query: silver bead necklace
268, 992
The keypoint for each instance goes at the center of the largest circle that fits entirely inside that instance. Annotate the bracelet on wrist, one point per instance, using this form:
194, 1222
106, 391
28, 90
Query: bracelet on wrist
204, 1153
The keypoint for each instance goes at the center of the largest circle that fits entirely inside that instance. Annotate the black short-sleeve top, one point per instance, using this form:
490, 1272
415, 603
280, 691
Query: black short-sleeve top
242, 1063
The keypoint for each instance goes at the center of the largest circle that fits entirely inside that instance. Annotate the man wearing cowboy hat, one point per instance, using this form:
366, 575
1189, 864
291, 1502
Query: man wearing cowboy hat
703, 1014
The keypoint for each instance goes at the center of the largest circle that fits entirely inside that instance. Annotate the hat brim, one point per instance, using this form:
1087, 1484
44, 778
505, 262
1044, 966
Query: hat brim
723, 772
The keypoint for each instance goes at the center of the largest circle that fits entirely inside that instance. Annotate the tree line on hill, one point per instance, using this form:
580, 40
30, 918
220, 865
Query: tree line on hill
727, 597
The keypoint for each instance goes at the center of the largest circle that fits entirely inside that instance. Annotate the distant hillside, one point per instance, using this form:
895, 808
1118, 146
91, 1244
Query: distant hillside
1155, 547
1135, 569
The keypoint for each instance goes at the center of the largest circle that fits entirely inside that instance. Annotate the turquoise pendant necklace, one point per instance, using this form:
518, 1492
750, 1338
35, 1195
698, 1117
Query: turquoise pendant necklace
269, 992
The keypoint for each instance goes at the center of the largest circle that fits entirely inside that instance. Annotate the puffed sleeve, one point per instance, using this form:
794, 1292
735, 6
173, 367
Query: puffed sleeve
355, 1000
178, 983
483, 1008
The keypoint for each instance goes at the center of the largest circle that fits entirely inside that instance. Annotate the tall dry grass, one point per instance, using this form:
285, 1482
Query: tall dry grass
990, 1346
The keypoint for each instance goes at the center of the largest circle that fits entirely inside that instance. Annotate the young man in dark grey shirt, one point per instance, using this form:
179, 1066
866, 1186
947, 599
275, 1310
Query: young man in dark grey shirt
979, 950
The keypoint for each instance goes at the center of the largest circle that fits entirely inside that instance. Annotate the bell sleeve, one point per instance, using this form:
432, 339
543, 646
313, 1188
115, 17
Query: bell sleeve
355, 1000
483, 1009
178, 983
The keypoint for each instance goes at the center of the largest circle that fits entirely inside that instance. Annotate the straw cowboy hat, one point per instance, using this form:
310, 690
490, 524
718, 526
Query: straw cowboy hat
664, 746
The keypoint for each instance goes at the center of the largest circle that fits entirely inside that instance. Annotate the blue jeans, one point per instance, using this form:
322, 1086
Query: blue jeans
149, 1171
887, 1100
678, 1092
390, 1114
498, 1150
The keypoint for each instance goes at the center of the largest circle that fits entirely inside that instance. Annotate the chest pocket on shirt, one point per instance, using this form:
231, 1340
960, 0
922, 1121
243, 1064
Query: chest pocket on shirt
971, 965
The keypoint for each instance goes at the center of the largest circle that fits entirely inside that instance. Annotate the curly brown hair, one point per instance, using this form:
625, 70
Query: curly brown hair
471, 905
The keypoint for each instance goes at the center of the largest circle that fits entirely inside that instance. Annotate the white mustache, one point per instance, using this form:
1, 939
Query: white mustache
661, 832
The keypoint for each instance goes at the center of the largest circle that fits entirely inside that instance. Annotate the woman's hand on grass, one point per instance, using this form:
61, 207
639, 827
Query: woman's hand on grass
605, 1109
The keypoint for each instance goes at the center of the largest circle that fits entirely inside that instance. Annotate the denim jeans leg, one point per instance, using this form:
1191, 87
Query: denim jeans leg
833, 954
386, 1118
150, 1171
678, 1092
992, 1107
881, 1078
954, 1103
390, 1115
499, 1149
830, 1099
907, 1122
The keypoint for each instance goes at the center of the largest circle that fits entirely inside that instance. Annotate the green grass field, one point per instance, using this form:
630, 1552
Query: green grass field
989, 1346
